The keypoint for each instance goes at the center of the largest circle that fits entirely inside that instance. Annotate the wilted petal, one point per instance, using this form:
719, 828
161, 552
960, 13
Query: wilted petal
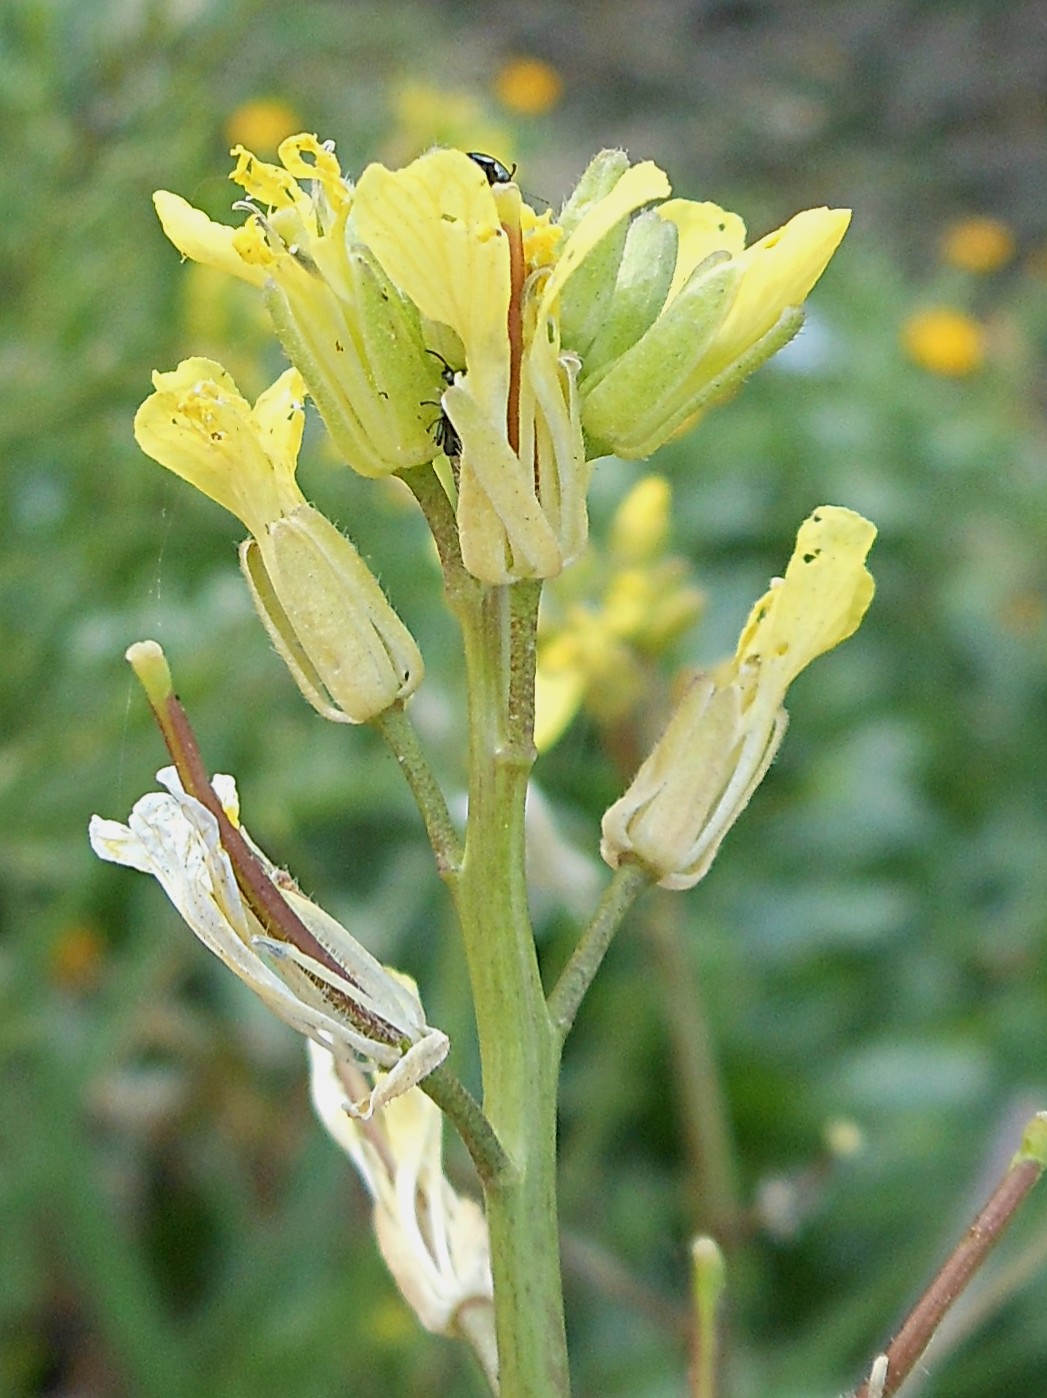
176, 839
434, 1241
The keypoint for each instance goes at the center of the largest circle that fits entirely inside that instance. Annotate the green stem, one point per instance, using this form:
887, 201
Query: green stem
707, 1273
463, 1111
618, 897
398, 731
424, 485
519, 1049
696, 1075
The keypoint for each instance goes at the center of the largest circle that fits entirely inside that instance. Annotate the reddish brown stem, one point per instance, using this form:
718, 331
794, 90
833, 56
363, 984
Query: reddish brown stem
515, 331
261, 894
988, 1227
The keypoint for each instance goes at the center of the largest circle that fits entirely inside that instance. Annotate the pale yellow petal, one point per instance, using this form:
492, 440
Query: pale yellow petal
279, 413
639, 185
201, 239
819, 603
704, 228
199, 426
309, 158
434, 227
777, 272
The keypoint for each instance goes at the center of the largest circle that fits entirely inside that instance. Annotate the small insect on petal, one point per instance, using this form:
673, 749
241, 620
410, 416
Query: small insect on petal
495, 171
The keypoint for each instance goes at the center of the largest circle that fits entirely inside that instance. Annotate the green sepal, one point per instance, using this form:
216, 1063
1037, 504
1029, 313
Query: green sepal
587, 298
600, 176
363, 361
644, 278
332, 625
630, 405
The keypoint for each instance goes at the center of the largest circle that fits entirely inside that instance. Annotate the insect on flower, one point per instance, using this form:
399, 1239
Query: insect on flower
495, 171
445, 434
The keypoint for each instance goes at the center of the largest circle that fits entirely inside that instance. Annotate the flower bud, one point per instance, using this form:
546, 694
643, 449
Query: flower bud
363, 357
347, 650
730, 308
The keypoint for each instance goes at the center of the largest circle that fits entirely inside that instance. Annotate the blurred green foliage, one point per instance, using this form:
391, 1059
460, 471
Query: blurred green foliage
869, 945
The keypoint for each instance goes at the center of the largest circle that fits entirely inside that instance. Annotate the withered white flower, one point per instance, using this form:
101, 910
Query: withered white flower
363, 1012
434, 1241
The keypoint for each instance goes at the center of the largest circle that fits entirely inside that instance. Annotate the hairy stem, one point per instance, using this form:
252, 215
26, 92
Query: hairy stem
628, 883
519, 1049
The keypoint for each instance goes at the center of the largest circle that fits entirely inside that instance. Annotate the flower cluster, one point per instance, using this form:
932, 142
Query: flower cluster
431, 308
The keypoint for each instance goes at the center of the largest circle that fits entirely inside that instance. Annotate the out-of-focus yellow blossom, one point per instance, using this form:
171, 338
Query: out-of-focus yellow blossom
944, 341
261, 124
528, 86
362, 1012
723, 735
226, 319
548, 342
434, 1241
602, 623
348, 651
427, 115
979, 244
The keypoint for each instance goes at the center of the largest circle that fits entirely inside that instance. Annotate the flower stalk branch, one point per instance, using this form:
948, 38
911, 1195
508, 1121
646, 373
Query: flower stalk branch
628, 883
981, 1237
399, 732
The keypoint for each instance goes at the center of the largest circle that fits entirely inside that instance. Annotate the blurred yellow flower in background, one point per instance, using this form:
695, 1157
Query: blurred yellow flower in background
261, 124
426, 115
978, 244
528, 86
944, 341
604, 622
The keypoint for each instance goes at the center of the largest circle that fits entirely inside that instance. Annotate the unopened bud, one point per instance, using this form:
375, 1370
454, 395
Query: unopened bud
348, 651
362, 354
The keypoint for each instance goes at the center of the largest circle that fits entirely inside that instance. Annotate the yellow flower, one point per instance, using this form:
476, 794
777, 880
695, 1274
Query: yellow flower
348, 651
944, 341
725, 731
261, 123
727, 308
358, 344
977, 244
528, 86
